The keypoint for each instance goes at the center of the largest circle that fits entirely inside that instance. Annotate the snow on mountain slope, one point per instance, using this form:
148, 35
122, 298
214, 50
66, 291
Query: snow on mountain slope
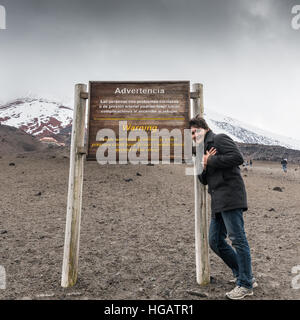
246, 133
39, 117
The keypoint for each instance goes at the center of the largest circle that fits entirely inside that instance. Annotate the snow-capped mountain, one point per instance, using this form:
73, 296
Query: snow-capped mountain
38, 117
243, 132
46, 118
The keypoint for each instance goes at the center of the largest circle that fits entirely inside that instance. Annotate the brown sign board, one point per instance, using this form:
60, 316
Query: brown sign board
126, 107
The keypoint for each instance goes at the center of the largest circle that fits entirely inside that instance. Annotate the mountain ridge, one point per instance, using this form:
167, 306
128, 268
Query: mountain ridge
48, 118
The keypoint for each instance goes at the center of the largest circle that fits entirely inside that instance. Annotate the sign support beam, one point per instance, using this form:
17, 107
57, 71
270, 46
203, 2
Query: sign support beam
77, 155
200, 191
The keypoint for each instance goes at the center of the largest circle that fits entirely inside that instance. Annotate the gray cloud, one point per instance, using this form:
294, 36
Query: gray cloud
244, 52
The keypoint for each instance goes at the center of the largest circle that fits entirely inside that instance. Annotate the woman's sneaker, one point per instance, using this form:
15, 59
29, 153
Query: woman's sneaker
239, 293
254, 283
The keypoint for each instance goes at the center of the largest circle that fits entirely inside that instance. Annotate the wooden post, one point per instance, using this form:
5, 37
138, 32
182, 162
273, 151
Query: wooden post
201, 221
77, 154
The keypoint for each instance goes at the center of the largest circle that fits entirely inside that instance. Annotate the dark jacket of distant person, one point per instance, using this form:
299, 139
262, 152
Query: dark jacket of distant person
284, 162
222, 174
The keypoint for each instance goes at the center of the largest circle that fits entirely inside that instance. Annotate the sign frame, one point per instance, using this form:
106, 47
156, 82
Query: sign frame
187, 100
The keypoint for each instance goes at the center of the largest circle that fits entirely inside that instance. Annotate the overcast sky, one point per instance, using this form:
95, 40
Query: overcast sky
244, 52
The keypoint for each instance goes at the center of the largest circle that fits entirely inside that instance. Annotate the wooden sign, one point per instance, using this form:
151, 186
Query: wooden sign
168, 106
137, 112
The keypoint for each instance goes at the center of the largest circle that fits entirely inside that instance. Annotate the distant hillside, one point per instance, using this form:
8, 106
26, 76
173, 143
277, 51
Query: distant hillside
13, 140
268, 153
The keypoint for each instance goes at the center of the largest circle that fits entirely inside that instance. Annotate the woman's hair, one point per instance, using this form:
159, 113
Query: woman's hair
198, 122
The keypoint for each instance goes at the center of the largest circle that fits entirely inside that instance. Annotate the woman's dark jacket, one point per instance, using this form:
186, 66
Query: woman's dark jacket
222, 175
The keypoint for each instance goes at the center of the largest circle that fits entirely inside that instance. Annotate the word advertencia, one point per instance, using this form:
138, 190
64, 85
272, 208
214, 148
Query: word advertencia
139, 91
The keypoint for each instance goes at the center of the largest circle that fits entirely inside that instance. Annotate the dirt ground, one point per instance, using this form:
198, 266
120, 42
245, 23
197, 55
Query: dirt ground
137, 231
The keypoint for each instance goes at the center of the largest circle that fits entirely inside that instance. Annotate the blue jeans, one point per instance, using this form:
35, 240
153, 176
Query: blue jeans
237, 257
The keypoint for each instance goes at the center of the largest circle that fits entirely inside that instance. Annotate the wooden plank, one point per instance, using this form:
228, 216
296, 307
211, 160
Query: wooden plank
72, 231
201, 220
